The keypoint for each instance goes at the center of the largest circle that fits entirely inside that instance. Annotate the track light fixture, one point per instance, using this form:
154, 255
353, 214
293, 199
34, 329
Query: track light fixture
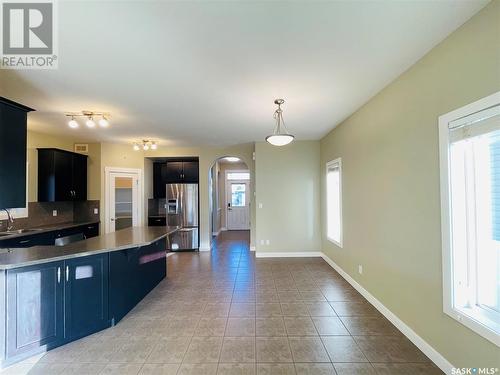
90, 119
145, 145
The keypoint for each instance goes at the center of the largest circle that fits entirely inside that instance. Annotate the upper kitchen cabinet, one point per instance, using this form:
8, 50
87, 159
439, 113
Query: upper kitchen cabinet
13, 132
173, 171
185, 171
62, 175
159, 179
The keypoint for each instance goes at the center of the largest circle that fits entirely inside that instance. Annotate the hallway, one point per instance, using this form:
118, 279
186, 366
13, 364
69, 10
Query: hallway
229, 313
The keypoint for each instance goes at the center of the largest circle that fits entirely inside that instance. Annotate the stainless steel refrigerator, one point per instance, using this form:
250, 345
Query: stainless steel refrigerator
182, 210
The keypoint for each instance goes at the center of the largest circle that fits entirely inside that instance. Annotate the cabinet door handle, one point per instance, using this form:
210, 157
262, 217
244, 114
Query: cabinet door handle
67, 273
58, 275
24, 241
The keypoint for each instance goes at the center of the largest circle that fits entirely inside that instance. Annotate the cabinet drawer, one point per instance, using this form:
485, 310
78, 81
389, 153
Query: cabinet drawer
157, 221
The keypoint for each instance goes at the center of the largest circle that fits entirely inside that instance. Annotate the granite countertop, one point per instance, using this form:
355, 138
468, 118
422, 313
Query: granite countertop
47, 228
122, 239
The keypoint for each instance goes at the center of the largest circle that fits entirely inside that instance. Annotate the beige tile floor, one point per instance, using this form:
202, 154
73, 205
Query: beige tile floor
229, 313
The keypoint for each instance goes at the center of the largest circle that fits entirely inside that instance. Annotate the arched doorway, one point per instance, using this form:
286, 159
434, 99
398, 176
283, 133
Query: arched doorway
229, 196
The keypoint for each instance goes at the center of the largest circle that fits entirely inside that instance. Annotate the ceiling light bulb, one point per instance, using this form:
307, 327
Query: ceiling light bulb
145, 147
90, 122
104, 123
231, 159
136, 147
73, 123
154, 146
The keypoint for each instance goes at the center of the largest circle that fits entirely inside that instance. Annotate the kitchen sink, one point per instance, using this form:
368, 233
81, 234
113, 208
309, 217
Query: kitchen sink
19, 231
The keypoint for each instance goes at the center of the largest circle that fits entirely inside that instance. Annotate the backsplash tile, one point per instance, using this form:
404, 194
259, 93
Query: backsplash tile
41, 214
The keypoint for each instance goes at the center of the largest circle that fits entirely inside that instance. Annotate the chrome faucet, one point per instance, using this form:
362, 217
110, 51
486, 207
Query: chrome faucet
10, 219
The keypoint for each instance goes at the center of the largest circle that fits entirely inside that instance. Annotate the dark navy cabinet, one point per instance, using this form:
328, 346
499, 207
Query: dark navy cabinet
182, 171
13, 136
50, 304
133, 273
35, 309
86, 295
62, 175
48, 238
54, 303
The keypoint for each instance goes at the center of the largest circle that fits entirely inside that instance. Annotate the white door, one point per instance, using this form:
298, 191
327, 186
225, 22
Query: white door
238, 204
123, 205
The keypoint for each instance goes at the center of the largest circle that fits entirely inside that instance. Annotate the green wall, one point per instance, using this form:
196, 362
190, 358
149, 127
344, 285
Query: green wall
287, 186
391, 199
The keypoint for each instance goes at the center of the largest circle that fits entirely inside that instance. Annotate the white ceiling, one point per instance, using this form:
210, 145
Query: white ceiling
206, 73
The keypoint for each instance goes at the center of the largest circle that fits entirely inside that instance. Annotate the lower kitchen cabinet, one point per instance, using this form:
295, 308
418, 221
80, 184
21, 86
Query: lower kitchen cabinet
86, 295
35, 309
133, 273
50, 304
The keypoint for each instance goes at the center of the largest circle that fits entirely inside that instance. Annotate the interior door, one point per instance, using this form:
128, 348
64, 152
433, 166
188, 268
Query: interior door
123, 201
238, 201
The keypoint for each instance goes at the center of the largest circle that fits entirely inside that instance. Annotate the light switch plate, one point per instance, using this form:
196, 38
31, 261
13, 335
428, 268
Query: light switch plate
261, 205
54, 212
360, 269
96, 211
267, 242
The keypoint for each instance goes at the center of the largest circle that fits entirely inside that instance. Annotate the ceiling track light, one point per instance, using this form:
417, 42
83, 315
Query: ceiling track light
280, 137
90, 119
145, 145
73, 123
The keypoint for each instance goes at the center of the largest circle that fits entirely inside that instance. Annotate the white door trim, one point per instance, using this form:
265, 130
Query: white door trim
107, 180
226, 195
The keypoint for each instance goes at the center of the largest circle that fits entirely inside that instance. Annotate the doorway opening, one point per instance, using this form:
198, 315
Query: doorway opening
229, 196
123, 206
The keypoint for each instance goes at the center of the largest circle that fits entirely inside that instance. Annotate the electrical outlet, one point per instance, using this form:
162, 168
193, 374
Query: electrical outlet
267, 242
261, 205
54, 212
96, 211
360, 269
262, 242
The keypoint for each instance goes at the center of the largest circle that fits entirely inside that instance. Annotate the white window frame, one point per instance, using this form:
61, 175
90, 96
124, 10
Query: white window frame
467, 318
338, 162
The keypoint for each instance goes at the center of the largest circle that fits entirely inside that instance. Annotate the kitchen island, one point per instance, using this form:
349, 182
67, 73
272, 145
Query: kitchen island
52, 295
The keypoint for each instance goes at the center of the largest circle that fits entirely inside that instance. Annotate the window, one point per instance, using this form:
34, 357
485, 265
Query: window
238, 175
470, 193
334, 201
238, 195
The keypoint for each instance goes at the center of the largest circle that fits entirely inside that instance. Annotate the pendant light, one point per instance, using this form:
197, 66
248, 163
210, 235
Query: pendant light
280, 137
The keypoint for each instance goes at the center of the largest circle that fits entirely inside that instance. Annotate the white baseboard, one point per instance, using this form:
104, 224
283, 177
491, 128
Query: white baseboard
252, 248
204, 249
419, 342
223, 229
288, 254
216, 233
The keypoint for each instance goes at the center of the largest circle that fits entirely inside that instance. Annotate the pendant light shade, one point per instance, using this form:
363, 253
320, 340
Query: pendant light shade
280, 137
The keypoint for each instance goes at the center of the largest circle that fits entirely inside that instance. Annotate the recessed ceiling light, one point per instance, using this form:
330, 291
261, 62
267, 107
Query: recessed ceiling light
231, 159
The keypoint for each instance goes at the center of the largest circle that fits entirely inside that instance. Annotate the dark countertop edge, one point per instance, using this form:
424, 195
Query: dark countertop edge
48, 228
5, 267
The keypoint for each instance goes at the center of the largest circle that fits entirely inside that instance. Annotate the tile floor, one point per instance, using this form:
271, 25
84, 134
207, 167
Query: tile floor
229, 313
